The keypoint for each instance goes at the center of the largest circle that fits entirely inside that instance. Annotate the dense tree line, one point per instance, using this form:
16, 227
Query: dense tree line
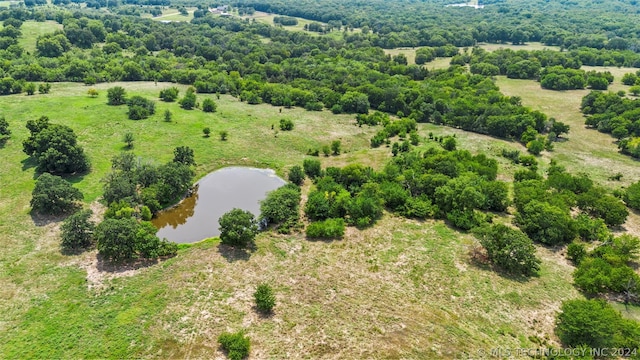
609, 113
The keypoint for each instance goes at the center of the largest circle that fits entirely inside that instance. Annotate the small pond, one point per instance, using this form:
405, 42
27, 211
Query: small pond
196, 217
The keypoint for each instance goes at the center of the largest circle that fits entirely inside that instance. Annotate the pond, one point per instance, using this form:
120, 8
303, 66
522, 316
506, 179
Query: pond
196, 217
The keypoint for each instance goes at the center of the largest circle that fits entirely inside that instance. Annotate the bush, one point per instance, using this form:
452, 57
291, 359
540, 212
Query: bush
296, 175
206, 131
509, 249
286, 125
53, 195
280, 207
188, 102
116, 96
183, 155
209, 105
126, 238
595, 324
238, 228
449, 143
546, 223
576, 252
4, 128
335, 147
265, 299
170, 94
312, 168
236, 345
140, 108
327, 229
77, 230
224, 134
632, 196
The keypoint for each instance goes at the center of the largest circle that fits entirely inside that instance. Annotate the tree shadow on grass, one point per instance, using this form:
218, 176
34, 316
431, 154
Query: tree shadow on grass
232, 254
106, 265
29, 163
3, 141
40, 220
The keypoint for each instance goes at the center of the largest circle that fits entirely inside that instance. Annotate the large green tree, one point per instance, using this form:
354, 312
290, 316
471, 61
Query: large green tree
54, 195
238, 228
77, 230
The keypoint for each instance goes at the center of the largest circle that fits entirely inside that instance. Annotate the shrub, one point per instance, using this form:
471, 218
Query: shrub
335, 147
236, 345
326, 150
170, 94
280, 207
116, 96
206, 131
296, 175
183, 155
126, 238
224, 135
327, 229
286, 125
54, 195
209, 105
576, 252
238, 228
77, 230
4, 128
312, 168
168, 115
128, 139
509, 249
265, 299
545, 223
140, 108
188, 102
632, 196
92, 92
595, 324
449, 143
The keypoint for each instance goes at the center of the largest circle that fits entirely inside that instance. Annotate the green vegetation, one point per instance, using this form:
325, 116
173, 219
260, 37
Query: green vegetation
238, 228
53, 195
237, 345
265, 299
409, 187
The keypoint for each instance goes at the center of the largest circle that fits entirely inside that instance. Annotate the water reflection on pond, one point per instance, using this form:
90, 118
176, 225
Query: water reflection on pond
196, 217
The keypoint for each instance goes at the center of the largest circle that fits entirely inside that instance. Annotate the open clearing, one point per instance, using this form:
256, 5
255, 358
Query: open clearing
400, 289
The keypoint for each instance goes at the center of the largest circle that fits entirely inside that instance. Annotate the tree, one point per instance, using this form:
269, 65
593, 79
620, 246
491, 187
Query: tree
30, 88
44, 88
632, 196
208, 105
280, 207
167, 115
635, 90
296, 175
509, 249
128, 139
53, 195
265, 299
559, 128
4, 128
335, 147
188, 102
170, 94
126, 238
224, 134
535, 147
116, 96
54, 147
206, 131
238, 228
449, 143
140, 108
354, 102
236, 345
312, 168
545, 223
286, 125
92, 92
77, 230
595, 324
183, 155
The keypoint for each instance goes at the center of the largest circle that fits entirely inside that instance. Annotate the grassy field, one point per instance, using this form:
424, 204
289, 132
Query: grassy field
400, 289
267, 18
32, 29
172, 14
530, 46
586, 150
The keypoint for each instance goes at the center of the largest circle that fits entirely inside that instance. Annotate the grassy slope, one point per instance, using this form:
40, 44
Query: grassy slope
32, 29
386, 291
